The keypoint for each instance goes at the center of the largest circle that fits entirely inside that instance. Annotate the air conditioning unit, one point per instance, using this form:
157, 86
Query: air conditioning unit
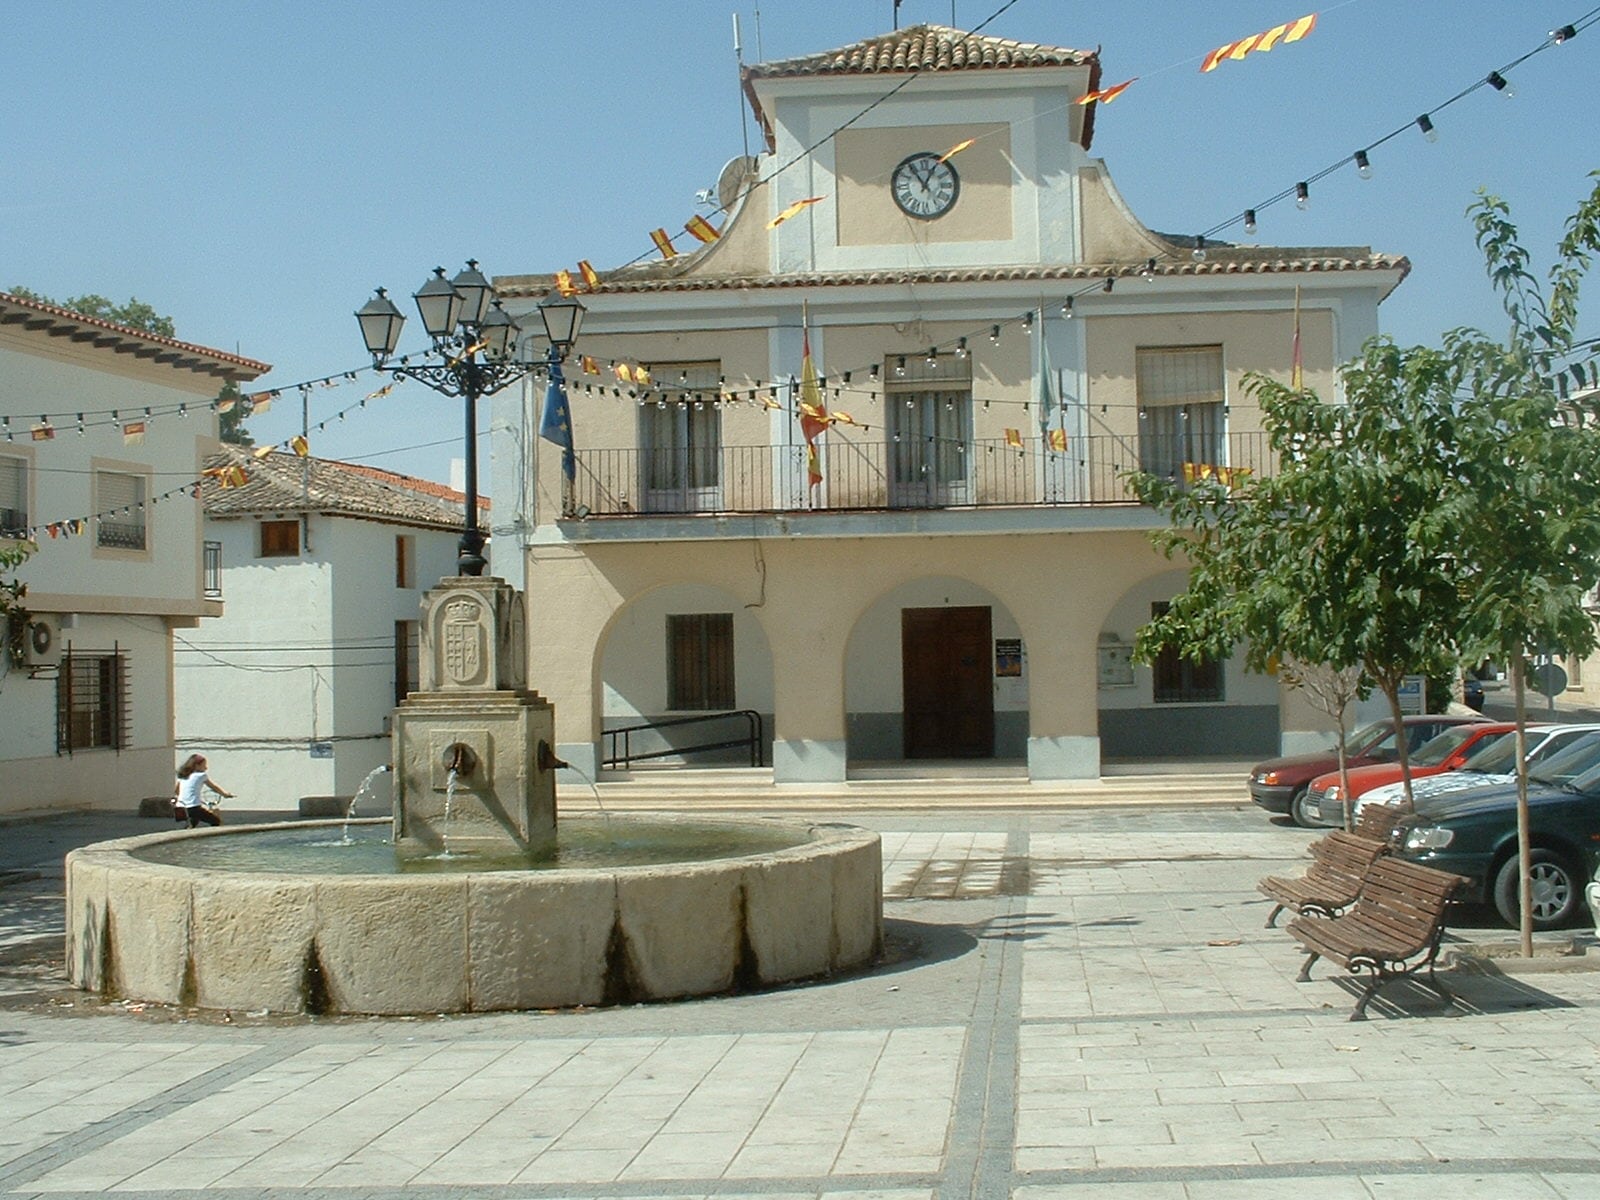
42, 642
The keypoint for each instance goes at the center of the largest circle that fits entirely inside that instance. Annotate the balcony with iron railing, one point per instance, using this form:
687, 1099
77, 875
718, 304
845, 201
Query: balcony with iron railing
880, 476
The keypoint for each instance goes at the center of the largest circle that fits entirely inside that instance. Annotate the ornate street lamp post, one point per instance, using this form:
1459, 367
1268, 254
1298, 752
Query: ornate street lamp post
465, 320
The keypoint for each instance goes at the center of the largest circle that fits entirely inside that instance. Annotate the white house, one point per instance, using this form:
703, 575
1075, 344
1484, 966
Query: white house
965, 577
322, 569
103, 430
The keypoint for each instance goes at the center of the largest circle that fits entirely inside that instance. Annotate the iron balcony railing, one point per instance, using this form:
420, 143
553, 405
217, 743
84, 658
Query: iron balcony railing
861, 476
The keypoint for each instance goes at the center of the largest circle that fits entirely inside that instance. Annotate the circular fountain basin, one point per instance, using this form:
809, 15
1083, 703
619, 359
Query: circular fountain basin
291, 919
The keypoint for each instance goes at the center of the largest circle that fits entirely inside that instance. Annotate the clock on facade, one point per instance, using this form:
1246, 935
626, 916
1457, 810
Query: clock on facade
924, 187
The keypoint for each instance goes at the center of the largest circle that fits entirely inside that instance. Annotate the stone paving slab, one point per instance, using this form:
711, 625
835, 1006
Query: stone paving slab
1074, 1005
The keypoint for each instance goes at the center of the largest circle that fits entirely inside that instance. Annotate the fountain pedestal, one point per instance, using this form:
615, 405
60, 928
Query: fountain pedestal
473, 769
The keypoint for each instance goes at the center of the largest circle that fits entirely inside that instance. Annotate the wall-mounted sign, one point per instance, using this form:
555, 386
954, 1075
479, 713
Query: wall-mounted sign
1007, 658
321, 749
1116, 664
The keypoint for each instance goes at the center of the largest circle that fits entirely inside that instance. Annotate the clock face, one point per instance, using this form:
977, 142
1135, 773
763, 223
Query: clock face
924, 187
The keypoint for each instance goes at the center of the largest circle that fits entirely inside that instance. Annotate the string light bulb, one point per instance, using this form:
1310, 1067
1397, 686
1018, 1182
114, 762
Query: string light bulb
1149, 272
1108, 285
1425, 123
1066, 308
1363, 164
1302, 195
1027, 321
933, 356
1501, 84
994, 335
961, 350
1250, 222
1565, 34
900, 366
1198, 254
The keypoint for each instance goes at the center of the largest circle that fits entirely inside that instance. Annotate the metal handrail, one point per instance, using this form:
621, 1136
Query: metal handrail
626, 757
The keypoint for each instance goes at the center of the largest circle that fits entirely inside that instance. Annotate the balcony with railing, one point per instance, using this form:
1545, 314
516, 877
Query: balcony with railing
878, 475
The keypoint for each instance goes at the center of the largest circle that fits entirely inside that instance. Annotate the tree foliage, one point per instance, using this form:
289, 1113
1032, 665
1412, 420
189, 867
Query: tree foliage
13, 616
230, 422
134, 313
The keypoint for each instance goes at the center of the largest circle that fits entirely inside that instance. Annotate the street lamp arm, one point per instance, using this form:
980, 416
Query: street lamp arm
464, 377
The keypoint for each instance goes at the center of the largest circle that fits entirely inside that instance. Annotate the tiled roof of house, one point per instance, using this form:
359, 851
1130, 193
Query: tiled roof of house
281, 483
80, 327
1220, 260
924, 48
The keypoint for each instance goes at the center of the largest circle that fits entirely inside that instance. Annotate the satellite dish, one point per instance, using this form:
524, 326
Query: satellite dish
737, 176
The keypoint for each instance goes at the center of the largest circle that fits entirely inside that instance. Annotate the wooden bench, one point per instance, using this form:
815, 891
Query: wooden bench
1331, 884
1377, 821
1391, 932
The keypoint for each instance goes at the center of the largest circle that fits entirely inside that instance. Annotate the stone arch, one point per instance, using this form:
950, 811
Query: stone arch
631, 665
874, 701
1241, 723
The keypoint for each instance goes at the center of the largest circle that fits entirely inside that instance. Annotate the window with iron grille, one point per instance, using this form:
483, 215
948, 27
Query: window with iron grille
1180, 680
13, 496
120, 510
211, 572
700, 661
92, 702
1181, 400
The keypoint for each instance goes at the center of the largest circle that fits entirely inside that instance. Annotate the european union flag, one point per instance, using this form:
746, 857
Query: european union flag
556, 425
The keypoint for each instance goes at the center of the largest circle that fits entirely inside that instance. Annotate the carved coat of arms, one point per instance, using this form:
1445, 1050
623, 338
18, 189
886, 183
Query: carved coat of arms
464, 641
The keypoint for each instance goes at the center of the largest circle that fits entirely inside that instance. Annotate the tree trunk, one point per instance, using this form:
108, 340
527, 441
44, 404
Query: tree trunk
1524, 851
1391, 693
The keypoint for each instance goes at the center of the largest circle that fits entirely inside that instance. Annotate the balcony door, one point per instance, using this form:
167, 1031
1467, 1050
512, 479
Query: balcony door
680, 439
928, 410
946, 657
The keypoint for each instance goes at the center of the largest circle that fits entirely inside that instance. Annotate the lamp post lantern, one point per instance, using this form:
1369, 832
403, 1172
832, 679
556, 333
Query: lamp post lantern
474, 343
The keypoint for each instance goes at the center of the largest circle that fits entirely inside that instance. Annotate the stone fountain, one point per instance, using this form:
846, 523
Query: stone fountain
476, 905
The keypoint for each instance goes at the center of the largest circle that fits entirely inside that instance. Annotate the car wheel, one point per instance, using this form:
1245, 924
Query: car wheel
1299, 808
1556, 891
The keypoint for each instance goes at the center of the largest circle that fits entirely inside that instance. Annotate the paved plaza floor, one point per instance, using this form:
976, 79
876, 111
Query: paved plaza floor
1076, 1003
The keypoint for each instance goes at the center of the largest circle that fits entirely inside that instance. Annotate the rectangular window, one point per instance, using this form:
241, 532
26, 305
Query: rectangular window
680, 438
405, 566
13, 496
1180, 680
407, 659
92, 702
211, 572
928, 407
700, 661
1180, 391
120, 510
280, 539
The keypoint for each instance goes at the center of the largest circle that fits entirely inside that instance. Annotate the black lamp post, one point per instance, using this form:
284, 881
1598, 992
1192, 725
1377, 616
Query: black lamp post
465, 320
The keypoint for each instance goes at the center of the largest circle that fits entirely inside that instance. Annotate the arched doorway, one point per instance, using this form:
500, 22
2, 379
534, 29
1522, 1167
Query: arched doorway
935, 669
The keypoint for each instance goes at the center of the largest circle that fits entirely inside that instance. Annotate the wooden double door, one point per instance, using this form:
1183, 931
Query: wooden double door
947, 669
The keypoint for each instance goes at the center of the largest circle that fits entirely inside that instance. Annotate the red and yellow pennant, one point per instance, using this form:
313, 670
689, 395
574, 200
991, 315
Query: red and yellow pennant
590, 366
564, 283
956, 149
1107, 95
663, 243
300, 445
1289, 31
798, 206
1057, 439
44, 432
133, 433
701, 229
260, 402
1014, 438
591, 278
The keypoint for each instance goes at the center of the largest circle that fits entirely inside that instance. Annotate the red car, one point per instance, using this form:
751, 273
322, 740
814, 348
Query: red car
1449, 751
1279, 785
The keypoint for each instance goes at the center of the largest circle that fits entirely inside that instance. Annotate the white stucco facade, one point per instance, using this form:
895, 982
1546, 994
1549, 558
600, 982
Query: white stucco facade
1002, 588
289, 692
112, 581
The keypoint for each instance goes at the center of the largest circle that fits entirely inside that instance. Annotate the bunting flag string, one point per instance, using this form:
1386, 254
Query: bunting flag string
956, 149
1289, 31
794, 209
663, 243
1107, 95
701, 229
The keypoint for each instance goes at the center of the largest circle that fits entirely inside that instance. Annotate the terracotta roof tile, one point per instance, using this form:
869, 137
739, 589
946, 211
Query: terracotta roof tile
278, 483
924, 48
246, 368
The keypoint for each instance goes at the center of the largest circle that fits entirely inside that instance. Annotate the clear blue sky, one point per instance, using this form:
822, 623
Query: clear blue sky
254, 169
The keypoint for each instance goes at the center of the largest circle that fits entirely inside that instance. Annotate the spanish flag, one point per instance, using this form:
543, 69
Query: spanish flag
663, 243
1107, 95
590, 367
564, 283
813, 412
796, 207
1014, 438
260, 402
1289, 31
299, 445
701, 229
591, 280
1057, 439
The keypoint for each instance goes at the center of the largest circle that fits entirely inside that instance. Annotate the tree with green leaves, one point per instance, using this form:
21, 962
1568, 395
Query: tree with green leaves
1528, 500
13, 616
1337, 557
135, 313
230, 420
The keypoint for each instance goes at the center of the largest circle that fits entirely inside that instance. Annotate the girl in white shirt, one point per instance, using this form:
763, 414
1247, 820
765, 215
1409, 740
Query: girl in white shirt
186, 793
